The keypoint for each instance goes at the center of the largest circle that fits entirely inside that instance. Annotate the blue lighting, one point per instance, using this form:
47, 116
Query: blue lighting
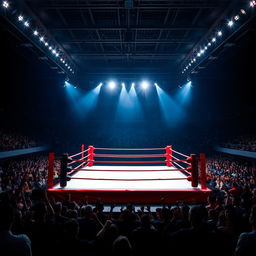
184, 94
144, 85
112, 85
170, 110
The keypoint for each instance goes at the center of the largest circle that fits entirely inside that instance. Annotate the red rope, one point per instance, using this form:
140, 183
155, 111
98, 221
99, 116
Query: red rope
129, 156
76, 178
92, 170
179, 153
128, 162
79, 153
130, 148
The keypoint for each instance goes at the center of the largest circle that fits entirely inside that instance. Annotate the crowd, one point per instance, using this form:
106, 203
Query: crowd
33, 224
13, 141
246, 142
223, 172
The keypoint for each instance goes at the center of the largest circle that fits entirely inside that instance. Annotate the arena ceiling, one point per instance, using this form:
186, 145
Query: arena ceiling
130, 36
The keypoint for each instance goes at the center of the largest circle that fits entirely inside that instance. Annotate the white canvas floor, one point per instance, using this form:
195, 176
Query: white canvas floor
129, 173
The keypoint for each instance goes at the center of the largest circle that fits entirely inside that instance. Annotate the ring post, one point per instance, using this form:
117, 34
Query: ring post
50, 170
203, 170
63, 170
168, 151
194, 171
90, 155
82, 155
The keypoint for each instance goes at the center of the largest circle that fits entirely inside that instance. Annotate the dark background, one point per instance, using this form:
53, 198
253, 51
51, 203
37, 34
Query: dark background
222, 106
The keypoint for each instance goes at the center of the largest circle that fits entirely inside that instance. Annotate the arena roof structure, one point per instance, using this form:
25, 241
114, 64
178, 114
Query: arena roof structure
129, 37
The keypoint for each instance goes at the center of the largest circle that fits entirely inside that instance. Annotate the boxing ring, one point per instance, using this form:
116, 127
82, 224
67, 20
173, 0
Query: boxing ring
122, 175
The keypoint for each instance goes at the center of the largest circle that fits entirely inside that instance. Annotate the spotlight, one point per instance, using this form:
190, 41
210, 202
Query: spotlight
219, 33
35, 33
236, 17
66, 83
155, 84
26, 24
214, 39
66, 64
112, 85
123, 84
133, 84
189, 64
100, 84
46, 44
205, 48
20, 18
243, 11
252, 3
201, 51
57, 54
194, 59
5, 4
61, 59
144, 85
179, 85
209, 44
50, 47
198, 54
230, 23
54, 51
41, 38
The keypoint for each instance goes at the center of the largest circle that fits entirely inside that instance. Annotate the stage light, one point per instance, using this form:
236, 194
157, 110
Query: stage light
230, 23
155, 84
100, 84
46, 44
202, 51
198, 54
189, 64
144, 85
236, 17
26, 24
205, 48
66, 84
133, 84
61, 59
57, 54
214, 39
20, 18
50, 47
5, 4
41, 38
35, 33
209, 44
194, 59
219, 33
243, 11
112, 85
123, 84
189, 84
54, 51
252, 3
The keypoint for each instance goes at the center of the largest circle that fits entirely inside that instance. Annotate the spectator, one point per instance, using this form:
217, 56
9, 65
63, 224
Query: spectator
122, 247
11, 245
246, 244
